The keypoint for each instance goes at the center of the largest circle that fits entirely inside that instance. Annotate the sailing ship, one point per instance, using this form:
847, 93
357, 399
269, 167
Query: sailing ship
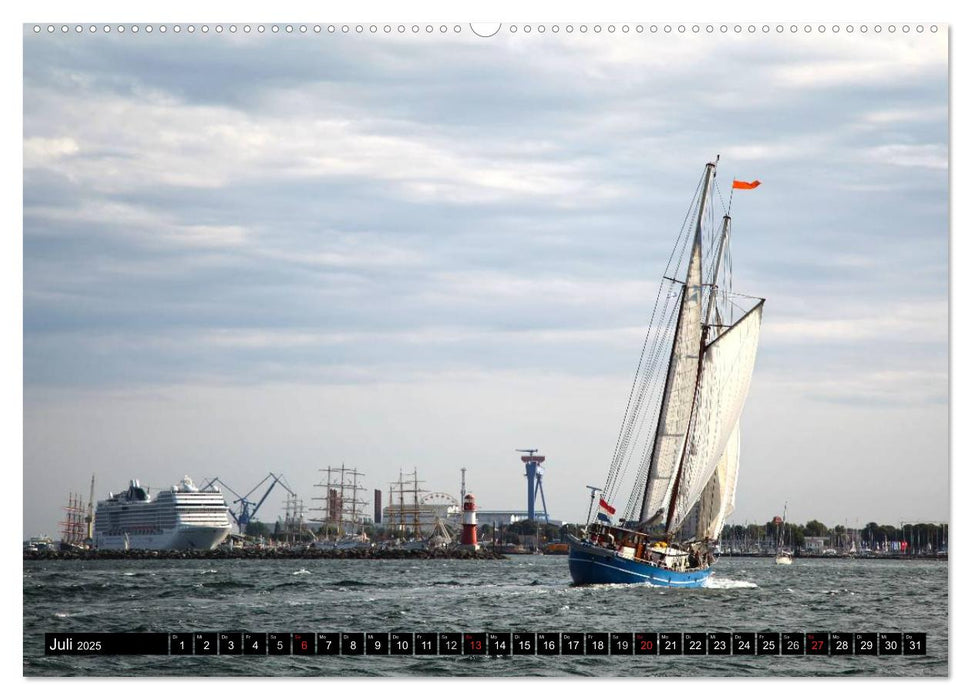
782, 555
342, 526
683, 485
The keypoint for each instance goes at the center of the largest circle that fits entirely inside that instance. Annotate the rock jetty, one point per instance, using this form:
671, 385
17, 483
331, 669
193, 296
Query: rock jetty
256, 553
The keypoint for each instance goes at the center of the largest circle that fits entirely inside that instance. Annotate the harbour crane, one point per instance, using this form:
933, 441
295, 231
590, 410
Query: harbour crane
247, 509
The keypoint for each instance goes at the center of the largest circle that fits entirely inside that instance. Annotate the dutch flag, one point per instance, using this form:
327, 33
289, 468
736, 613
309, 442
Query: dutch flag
606, 511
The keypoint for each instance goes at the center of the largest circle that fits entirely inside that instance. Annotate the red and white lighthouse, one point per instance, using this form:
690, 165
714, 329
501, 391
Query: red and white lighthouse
468, 522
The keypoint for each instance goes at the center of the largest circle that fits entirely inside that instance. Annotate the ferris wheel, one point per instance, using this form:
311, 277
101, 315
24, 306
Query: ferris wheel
439, 498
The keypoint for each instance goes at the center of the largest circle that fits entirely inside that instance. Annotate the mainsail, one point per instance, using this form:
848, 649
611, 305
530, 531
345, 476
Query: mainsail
675, 413
691, 474
717, 501
724, 379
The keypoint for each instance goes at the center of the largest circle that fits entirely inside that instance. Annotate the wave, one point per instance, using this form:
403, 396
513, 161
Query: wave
347, 583
301, 584
726, 583
72, 615
98, 587
225, 584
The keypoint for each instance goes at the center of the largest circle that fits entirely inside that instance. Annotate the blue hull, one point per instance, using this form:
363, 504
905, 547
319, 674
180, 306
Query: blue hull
592, 564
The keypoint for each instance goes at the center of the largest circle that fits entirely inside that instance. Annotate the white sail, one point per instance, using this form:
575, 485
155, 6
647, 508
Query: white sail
718, 499
725, 376
675, 414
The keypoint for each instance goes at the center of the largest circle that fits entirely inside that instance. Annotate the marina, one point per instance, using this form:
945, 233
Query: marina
376, 553
186, 518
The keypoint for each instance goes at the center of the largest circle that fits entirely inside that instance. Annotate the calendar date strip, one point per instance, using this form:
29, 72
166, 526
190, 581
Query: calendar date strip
510, 644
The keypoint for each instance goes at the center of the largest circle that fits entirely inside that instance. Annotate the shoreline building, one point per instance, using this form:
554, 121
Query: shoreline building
510, 517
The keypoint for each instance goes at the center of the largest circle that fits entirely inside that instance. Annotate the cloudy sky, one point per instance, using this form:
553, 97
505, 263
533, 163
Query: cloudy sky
267, 252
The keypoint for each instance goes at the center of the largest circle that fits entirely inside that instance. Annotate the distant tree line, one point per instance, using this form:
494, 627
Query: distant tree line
527, 530
921, 536
515, 533
872, 536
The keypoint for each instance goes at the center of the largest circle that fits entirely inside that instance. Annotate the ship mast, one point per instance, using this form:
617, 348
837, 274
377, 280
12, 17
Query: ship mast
709, 175
341, 502
646, 517
726, 220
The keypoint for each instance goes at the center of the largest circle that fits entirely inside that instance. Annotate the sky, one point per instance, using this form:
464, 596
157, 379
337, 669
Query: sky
246, 253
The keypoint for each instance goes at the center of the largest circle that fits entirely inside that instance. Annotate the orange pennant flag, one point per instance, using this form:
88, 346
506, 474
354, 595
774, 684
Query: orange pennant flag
739, 185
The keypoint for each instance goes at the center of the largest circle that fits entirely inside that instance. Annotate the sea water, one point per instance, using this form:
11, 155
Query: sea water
519, 594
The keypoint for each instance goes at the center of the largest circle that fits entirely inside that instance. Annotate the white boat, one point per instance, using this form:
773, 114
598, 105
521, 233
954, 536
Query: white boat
39, 544
359, 541
782, 555
345, 542
180, 517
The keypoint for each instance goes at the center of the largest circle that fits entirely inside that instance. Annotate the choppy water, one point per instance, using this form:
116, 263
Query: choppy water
521, 594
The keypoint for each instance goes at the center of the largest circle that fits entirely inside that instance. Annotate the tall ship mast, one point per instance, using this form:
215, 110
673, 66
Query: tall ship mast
73, 527
405, 515
343, 509
677, 454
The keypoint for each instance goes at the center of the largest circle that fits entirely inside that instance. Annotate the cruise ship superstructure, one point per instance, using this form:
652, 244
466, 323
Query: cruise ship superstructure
181, 517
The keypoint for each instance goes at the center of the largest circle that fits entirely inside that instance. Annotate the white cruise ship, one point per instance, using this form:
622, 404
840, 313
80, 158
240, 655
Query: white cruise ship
181, 517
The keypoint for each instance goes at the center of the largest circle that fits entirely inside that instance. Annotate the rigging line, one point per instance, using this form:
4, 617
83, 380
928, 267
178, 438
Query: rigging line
638, 396
648, 383
639, 419
710, 257
647, 417
631, 394
648, 387
647, 379
657, 299
721, 197
726, 211
644, 464
631, 410
729, 274
747, 296
662, 333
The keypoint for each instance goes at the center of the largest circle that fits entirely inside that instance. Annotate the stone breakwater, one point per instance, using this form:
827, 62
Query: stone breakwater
132, 554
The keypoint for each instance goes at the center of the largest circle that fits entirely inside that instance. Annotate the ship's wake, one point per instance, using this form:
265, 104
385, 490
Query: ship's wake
718, 582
